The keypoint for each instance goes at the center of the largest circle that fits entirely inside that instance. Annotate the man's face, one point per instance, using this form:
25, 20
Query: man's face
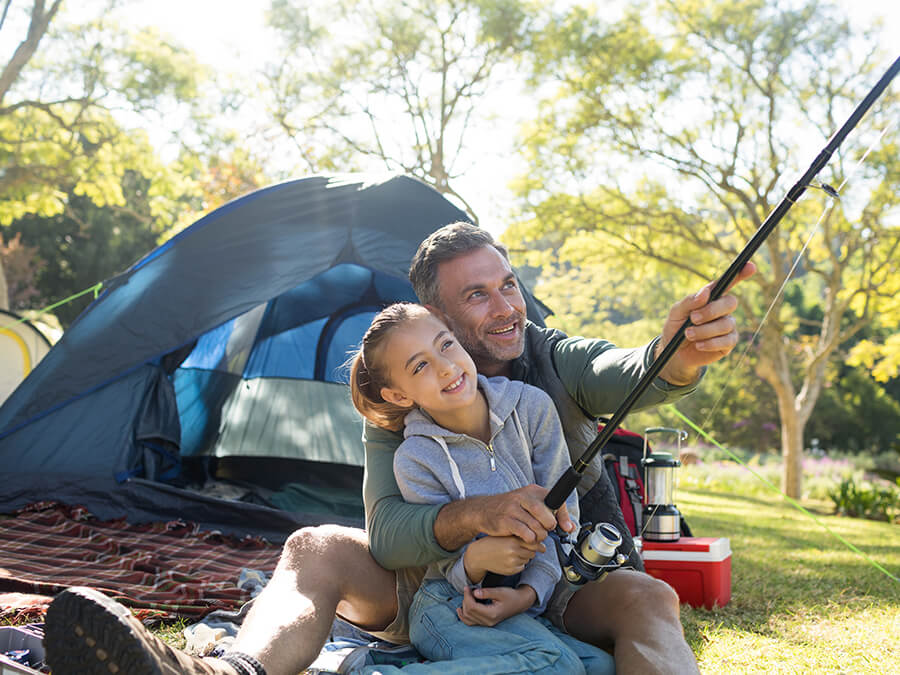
483, 306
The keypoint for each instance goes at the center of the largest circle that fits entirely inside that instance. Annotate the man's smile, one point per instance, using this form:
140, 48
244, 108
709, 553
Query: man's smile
505, 330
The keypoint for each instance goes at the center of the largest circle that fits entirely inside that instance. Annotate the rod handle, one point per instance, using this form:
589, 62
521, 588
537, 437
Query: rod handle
494, 580
562, 489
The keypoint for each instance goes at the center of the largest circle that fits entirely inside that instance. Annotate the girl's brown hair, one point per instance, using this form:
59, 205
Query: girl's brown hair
368, 375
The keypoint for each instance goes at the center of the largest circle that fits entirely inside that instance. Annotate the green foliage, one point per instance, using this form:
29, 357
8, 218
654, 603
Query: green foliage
62, 132
87, 244
81, 178
401, 88
856, 414
866, 501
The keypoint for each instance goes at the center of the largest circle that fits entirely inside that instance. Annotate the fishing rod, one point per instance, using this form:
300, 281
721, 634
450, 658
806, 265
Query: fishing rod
570, 479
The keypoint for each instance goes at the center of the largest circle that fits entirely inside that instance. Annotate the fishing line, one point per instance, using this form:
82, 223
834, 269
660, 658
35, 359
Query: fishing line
833, 194
793, 502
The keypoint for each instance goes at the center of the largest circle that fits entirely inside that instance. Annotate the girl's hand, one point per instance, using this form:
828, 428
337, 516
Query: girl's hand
505, 602
503, 555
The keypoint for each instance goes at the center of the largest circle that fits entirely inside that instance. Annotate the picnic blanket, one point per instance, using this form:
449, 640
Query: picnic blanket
161, 570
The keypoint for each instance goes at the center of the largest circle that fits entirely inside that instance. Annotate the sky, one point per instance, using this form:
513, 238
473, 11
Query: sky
231, 35
231, 32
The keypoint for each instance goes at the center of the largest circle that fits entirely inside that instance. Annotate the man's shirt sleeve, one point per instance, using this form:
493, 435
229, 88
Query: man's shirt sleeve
599, 375
400, 534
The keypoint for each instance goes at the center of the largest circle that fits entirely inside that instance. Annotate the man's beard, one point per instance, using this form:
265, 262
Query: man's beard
486, 353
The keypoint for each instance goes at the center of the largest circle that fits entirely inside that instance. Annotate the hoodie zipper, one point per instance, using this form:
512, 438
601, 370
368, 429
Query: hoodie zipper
490, 449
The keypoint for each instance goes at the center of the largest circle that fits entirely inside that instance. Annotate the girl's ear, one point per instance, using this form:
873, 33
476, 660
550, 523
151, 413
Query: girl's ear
396, 397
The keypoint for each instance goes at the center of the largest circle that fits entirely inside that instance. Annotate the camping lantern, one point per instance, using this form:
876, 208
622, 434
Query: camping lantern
662, 521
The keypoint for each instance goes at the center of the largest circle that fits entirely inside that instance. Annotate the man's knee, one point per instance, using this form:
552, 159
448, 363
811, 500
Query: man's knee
631, 600
643, 593
323, 548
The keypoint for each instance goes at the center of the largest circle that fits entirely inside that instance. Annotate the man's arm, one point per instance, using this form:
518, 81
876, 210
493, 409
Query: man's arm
599, 375
400, 534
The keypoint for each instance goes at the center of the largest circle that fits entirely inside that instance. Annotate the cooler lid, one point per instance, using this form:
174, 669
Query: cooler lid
710, 549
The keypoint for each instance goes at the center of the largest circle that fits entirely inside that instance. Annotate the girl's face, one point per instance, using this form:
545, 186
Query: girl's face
428, 367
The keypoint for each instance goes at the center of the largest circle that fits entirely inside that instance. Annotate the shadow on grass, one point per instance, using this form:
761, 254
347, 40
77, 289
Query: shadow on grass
730, 496
818, 509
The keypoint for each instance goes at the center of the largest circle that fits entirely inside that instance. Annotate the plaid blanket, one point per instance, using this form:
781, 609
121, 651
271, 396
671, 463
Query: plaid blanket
160, 570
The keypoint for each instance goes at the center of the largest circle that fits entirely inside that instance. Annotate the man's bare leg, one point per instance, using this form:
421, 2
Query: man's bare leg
639, 615
321, 570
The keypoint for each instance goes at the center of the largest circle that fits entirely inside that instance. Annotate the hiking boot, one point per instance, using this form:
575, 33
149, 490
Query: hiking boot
86, 633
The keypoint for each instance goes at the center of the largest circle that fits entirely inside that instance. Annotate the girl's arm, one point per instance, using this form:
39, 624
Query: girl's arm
420, 483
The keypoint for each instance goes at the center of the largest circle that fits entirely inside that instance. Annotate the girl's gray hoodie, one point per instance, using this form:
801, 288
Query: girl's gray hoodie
435, 466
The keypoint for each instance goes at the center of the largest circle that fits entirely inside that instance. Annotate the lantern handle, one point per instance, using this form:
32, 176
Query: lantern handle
680, 434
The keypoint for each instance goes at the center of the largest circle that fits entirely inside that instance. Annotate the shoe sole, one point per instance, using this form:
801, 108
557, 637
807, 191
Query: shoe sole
86, 633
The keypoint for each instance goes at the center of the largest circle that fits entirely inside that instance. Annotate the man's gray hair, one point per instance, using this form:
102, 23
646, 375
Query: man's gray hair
443, 245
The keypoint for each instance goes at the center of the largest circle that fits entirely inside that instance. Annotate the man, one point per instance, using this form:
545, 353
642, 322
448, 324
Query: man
465, 277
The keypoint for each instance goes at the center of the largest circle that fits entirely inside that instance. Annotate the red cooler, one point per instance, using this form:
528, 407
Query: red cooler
698, 568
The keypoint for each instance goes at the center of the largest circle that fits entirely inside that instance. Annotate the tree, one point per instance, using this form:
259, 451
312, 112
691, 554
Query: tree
403, 91
22, 266
671, 134
74, 99
87, 244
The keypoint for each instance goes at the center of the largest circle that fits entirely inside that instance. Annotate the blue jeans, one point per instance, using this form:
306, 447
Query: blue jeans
520, 644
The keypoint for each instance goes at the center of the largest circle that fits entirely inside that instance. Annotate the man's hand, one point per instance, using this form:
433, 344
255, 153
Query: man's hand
520, 513
505, 602
502, 555
712, 337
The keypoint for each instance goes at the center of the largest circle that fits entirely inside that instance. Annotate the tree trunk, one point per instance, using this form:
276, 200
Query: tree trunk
4, 288
774, 367
792, 453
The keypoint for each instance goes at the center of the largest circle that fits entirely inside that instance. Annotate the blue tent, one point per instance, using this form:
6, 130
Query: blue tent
220, 354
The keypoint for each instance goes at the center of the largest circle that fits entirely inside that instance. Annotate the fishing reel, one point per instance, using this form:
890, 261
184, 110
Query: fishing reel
594, 555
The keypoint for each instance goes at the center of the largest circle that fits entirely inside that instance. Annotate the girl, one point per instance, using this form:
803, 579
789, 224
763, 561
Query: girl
467, 435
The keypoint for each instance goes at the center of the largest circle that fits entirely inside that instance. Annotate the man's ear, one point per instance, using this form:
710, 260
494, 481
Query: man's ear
396, 397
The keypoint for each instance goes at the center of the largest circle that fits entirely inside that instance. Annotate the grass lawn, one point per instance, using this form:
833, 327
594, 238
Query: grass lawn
801, 601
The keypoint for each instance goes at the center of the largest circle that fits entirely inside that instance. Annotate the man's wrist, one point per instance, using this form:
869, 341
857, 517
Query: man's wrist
685, 377
458, 522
